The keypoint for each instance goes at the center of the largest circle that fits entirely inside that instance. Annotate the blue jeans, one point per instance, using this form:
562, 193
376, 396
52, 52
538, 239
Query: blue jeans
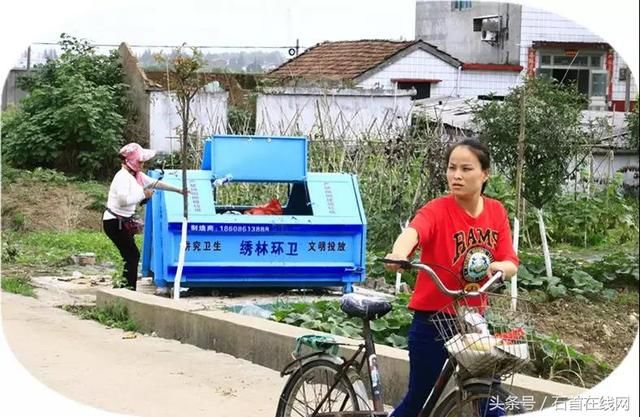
427, 355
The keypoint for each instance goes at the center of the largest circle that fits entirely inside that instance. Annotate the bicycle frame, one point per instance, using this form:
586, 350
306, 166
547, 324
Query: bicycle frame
448, 370
367, 353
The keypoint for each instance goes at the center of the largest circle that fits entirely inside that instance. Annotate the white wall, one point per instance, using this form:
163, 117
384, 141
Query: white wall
208, 109
475, 83
422, 65
332, 114
418, 64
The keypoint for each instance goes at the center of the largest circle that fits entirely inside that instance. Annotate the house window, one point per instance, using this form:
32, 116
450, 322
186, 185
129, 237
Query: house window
423, 89
584, 69
460, 5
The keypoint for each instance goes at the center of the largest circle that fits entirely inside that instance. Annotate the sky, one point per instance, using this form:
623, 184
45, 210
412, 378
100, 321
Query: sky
259, 23
252, 22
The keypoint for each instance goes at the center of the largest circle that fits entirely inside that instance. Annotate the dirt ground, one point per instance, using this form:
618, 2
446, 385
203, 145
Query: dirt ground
113, 371
46, 206
602, 328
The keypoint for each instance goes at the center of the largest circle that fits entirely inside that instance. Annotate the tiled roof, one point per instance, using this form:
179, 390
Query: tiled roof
342, 60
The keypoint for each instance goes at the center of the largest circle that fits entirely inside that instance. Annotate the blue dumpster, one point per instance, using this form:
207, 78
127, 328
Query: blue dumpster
318, 241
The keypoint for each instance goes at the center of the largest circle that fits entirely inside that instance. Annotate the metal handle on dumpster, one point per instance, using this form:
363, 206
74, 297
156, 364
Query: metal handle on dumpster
222, 181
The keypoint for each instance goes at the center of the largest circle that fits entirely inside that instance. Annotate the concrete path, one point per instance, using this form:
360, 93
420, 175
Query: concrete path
143, 376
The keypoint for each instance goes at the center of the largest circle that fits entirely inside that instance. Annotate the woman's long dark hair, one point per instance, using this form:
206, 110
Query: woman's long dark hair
477, 148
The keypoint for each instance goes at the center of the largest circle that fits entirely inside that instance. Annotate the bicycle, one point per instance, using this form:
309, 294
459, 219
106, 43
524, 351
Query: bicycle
322, 384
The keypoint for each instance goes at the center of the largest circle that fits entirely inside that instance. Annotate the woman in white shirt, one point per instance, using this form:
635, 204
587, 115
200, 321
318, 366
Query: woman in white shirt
129, 187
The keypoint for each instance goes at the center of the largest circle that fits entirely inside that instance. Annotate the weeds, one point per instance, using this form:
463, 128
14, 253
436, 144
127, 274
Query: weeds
111, 315
54, 248
18, 285
556, 360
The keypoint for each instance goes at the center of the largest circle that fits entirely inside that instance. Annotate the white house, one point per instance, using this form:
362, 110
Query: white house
487, 33
368, 82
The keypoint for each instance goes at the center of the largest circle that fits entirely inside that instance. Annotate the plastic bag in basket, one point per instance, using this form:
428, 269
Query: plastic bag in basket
477, 352
515, 350
472, 348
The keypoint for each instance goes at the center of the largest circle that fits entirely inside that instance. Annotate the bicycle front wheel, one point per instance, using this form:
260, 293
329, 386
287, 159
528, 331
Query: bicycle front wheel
480, 401
310, 385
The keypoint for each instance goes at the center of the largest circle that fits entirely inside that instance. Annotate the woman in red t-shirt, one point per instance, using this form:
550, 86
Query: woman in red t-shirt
455, 233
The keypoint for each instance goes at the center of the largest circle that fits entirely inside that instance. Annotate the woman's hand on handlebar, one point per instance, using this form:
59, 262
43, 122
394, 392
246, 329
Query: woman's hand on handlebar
394, 267
507, 268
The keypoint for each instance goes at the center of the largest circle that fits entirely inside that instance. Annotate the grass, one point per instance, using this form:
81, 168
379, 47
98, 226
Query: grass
53, 248
97, 191
18, 285
112, 315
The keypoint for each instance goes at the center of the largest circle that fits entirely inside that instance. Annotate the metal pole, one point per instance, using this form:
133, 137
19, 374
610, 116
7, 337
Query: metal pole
29, 58
520, 153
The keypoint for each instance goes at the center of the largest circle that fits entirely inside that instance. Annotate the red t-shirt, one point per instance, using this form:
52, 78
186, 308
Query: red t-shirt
457, 247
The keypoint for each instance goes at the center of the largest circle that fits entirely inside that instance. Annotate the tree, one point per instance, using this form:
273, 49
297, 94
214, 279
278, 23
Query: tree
73, 117
533, 136
554, 135
633, 120
184, 69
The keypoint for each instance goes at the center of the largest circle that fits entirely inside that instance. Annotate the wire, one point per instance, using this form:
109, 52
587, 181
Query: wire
193, 46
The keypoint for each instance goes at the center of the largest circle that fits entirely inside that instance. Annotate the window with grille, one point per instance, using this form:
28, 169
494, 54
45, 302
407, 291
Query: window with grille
460, 5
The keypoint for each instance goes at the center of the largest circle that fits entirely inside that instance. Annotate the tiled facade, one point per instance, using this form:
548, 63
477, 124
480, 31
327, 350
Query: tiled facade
451, 81
417, 65
476, 83
539, 25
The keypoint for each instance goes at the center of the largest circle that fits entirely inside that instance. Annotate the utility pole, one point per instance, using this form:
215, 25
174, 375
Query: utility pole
627, 90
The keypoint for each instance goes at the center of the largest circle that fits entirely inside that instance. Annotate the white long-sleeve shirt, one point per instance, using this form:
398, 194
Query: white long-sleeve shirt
124, 194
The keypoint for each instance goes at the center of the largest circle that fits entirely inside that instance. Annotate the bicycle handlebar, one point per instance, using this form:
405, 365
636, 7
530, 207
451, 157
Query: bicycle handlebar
406, 265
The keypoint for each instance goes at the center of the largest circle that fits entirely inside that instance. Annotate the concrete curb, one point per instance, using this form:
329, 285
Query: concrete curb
270, 344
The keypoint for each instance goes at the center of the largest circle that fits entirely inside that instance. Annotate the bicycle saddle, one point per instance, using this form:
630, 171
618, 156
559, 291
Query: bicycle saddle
367, 308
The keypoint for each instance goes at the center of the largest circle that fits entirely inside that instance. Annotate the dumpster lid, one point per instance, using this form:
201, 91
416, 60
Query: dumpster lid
258, 158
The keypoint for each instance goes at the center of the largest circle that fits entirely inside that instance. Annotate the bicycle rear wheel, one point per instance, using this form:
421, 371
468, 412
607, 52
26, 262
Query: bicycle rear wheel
307, 387
480, 401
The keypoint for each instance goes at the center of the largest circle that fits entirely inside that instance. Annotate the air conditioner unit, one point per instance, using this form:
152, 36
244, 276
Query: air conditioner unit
492, 24
489, 27
489, 36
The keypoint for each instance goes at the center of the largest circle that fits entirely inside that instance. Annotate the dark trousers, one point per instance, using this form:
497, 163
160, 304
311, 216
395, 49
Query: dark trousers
126, 244
426, 359
427, 355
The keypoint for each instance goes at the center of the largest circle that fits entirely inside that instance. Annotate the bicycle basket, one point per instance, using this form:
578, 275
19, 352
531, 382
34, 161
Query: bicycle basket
487, 340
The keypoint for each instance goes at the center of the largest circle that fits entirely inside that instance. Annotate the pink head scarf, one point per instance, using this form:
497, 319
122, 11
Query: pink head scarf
133, 156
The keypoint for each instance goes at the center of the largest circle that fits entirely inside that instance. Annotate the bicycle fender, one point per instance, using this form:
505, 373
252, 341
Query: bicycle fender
292, 366
480, 381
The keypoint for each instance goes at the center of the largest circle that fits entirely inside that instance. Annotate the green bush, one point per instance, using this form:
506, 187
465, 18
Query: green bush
241, 121
633, 123
73, 117
605, 216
